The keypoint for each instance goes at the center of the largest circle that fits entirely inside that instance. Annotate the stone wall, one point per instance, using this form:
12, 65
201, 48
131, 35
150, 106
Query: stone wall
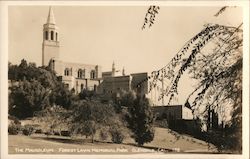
75, 67
115, 84
168, 112
73, 80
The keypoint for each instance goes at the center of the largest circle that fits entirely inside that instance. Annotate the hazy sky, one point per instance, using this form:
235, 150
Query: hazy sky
102, 34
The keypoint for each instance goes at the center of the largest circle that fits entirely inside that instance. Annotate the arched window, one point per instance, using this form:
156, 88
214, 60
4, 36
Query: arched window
79, 75
52, 35
66, 72
46, 35
92, 74
56, 37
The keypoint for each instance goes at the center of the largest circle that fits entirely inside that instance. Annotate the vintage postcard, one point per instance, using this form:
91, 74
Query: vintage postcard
124, 79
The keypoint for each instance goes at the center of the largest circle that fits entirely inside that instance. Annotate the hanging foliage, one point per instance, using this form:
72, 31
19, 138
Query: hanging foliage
150, 16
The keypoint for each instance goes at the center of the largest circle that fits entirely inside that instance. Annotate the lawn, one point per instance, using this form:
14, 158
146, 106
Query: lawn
165, 141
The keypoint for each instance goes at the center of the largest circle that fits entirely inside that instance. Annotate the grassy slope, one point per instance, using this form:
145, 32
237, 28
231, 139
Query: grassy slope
164, 138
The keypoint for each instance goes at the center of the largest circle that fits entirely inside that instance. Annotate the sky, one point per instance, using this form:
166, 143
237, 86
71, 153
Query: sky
102, 34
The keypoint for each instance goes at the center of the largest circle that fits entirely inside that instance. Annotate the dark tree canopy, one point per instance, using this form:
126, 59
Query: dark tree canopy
140, 120
34, 88
26, 98
88, 116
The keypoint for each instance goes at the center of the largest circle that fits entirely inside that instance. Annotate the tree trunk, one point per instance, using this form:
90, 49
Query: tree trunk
92, 138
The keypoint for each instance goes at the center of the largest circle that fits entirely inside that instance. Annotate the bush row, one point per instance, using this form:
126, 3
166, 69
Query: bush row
14, 129
117, 134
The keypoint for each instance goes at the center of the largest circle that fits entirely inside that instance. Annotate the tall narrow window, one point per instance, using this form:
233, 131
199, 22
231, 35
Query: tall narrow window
83, 73
52, 35
46, 35
56, 37
82, 86
79, 73
66, 72
92, 74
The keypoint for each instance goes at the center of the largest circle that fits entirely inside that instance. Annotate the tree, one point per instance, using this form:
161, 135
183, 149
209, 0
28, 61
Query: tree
52, 118
89, 116
29, 72
213, 57
47, 80
62, 96
28, 97
140, 120
87, 94
123, 99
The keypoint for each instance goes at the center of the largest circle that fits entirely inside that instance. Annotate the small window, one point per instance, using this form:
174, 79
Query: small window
66, 72
82, 86
46, 35
52, 35
92, 74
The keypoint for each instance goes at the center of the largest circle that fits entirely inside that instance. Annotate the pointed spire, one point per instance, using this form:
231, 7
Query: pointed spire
123, 71
113, 65
113, 69
51, 19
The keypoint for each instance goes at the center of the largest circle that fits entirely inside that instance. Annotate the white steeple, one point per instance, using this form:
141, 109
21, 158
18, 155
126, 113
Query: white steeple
51, 18
50, 39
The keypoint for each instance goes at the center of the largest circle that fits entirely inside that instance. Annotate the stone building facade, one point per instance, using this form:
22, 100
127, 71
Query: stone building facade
174, 112
75, 75
125, 83
80, 76
114, 82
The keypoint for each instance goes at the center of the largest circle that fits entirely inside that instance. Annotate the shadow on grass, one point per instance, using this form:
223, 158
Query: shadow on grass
156, 149
68, 140
63, 139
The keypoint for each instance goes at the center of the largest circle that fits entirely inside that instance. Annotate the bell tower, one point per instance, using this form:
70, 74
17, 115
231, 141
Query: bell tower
50, 46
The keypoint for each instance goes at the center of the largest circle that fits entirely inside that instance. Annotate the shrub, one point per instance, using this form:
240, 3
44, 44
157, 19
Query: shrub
104, 134
28, 130
48, 133
163, 123
56, 133
65, 133
15, 120
117, 135
38, 131
13, 128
